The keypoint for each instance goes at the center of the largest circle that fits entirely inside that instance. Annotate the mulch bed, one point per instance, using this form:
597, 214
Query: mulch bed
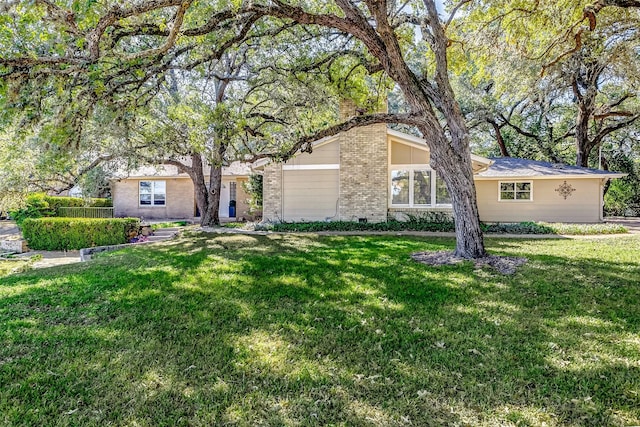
502, 264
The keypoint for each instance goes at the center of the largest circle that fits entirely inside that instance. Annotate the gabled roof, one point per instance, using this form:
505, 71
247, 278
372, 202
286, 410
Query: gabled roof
401, 137
510, 167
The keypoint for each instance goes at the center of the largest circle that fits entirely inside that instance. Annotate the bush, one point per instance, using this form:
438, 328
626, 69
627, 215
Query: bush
426, 224
391, 225
38, 205
100, 203
56, 202
518, 228
76, 233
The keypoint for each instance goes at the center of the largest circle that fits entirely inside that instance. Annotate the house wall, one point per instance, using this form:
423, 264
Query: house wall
364, 174
402, 154
272, 192
583, 205
180, 199
242, 205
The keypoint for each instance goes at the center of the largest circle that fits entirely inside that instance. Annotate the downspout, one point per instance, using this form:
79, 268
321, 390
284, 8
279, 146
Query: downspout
602, 182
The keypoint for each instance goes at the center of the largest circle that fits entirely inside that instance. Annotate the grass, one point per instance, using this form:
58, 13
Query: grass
170, 224
12, 266
313, 331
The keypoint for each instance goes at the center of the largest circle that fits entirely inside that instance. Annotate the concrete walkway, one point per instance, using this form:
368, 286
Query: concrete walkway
632, 224
8, 229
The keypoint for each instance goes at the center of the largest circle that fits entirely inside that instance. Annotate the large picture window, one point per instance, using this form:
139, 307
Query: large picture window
153, 193
515, 191
417, 187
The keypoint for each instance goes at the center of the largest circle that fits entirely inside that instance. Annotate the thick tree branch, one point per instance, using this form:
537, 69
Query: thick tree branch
305, 144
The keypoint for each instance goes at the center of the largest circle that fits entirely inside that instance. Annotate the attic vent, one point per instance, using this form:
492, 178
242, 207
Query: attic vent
558, 166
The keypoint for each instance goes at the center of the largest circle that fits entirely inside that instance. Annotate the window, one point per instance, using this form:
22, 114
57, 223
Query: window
417, 187
232, 191
399, 187
421, 187
153, 193
515, 191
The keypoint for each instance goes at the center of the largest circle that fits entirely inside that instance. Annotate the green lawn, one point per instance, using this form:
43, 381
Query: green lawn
305, 330
13, 266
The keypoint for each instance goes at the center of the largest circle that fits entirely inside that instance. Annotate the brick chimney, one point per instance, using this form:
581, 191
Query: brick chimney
348, 109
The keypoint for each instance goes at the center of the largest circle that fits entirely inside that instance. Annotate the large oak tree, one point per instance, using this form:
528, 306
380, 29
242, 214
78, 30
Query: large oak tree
107, 50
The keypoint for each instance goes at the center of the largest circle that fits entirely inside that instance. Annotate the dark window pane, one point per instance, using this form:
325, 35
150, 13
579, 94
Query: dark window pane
523, 186
145, 199
145, 187
506, 186
442, 195
506, 195
400, 187
422, 188
523, 195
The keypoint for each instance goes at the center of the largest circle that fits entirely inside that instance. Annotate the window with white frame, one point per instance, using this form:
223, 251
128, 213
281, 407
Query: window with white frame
232, 190
515, 191
417, 186
153, 193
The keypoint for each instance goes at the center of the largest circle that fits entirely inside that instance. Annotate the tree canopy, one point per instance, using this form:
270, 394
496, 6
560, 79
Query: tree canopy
63, 61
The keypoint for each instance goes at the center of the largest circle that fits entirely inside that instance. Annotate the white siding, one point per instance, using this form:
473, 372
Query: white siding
583, 205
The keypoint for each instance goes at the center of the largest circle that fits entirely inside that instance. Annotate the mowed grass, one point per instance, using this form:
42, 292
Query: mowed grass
13, 266
312, 331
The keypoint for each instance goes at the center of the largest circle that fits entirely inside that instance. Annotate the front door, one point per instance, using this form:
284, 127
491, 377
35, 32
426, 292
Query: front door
223, 212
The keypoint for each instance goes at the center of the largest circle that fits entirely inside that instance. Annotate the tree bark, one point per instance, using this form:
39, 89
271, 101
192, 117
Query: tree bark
212, 216
456, 171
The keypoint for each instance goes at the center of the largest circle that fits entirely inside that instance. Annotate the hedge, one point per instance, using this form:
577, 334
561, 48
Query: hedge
76, 233
425, 225
56, 202
39, 205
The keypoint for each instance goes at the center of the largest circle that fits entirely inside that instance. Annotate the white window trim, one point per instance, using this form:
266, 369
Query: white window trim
411, 169
152, 205
529, 200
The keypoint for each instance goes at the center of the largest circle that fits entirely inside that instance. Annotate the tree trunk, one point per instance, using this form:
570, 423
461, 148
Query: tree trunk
457, 174
215, 186
583, 145
586, 102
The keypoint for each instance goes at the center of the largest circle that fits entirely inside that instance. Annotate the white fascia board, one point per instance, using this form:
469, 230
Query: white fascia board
534, 177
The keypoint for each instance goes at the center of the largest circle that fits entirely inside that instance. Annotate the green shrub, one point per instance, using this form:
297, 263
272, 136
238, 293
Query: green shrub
518, 228
391, 225
101, 203
36, 206
76, 233
426, 223
56, 202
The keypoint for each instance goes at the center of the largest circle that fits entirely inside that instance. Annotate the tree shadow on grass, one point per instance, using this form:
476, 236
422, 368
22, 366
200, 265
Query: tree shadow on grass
313, 331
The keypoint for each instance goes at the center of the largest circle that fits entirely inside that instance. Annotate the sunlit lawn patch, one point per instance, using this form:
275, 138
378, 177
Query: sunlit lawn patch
291, 330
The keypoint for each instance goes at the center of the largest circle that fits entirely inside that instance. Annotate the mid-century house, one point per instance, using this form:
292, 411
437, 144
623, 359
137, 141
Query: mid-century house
373, 173
161, 192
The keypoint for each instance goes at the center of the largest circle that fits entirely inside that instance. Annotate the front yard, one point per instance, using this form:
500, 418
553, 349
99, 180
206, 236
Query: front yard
306, 330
